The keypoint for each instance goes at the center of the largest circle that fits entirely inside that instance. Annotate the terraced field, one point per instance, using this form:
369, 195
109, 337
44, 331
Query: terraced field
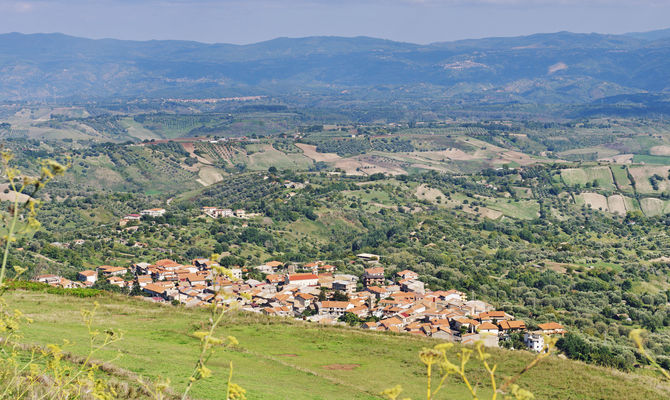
615, 204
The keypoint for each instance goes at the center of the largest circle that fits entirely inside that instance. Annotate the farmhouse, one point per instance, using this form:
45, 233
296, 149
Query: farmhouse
109, 270
218, 212
551, 328
487, 327
48, 279
88, 276
512, 326
153, 212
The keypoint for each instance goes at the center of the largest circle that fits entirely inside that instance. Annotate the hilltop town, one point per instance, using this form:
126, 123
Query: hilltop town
315, 292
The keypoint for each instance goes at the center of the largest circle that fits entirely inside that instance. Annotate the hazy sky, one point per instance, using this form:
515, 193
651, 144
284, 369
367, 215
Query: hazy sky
238, 21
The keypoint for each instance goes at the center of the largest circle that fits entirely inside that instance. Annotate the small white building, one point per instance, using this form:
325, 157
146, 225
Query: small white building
237, 273
218, 212
88, 276
301, 279
534, 342
48, 279
334, 308
153, 212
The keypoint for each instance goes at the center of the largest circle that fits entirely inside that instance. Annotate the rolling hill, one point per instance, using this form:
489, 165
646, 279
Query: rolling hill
559, 67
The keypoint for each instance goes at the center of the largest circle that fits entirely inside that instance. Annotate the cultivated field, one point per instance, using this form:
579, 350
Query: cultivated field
641, 177
653, 207
582, 176
616, 204
267, 156
620, 173
310, 151
596, 200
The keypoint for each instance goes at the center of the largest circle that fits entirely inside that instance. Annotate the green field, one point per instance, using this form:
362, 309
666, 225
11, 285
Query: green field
643, 158
620, 173
582, 176
280, 358
524, 209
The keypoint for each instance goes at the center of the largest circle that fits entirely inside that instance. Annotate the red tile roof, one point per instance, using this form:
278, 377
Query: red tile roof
550, 326
302, 277
334, 304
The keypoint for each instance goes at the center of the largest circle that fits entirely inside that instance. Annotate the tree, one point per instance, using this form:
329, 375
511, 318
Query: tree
351, 319
136, 290
339, 296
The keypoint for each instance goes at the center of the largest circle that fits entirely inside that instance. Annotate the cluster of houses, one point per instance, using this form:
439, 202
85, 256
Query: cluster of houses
215, 212
151, 212
316, 292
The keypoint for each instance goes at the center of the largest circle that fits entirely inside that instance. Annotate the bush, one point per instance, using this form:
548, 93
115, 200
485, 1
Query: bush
43, 287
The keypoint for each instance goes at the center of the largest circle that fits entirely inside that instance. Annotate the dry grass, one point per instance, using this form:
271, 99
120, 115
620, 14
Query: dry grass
660, 151
641, 176
310, 151
209, 176
617, 204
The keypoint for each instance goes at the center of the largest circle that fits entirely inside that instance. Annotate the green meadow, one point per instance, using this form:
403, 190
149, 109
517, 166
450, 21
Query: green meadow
283, 358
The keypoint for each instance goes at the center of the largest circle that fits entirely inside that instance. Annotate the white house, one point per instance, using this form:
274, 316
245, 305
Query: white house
153, 212
534, 342
301, 279
218, 212
112, 271
236, 272
334, 308
49, 279
88, 276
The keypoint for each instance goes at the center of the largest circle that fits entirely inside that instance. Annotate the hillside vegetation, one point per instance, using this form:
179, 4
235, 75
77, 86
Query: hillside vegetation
280, 358
558, 68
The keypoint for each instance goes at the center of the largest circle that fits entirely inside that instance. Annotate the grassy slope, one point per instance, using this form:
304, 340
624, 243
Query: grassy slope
285, 359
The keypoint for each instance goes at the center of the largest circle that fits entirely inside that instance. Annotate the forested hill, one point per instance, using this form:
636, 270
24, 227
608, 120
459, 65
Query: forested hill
547, 68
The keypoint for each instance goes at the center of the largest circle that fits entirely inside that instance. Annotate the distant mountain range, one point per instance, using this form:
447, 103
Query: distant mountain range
556, 68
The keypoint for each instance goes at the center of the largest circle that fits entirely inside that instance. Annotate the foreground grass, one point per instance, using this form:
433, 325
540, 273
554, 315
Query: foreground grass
282, 359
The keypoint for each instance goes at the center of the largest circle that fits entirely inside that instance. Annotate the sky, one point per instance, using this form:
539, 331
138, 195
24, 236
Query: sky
249, 21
